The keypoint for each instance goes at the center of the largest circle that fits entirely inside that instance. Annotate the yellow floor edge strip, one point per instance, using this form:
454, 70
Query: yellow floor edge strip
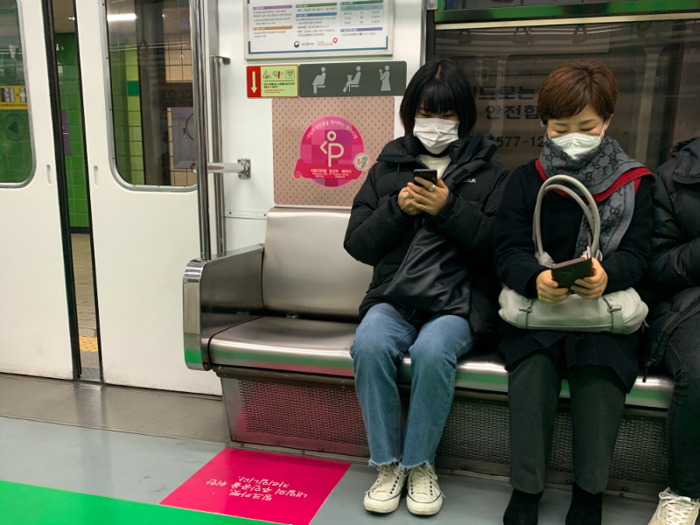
88, 344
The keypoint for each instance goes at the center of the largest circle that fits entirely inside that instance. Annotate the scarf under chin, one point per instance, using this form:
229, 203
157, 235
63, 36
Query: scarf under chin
610, 175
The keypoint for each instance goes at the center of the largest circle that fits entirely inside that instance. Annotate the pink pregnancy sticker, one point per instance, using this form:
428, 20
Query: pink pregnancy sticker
260, 486
332, 152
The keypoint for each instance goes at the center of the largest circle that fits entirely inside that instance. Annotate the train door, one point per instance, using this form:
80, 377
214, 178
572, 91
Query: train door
139, 124
34, 326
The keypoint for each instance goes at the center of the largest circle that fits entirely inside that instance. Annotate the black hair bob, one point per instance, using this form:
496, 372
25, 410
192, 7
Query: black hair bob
439, 87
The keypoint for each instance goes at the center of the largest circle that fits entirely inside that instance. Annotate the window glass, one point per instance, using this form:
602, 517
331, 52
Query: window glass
16, 159
450, 5
71, 114
657, 66
151, 78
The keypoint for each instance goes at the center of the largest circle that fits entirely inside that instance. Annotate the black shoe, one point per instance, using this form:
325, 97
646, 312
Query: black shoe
522, 509
586, 508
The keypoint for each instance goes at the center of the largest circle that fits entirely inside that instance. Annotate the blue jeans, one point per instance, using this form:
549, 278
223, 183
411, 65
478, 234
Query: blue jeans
382, 339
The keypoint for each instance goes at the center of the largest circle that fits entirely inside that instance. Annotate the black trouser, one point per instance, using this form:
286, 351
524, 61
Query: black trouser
597, 400
683, 362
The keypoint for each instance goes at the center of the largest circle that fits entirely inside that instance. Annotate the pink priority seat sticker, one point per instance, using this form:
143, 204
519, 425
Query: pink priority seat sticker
260, 486
332, 152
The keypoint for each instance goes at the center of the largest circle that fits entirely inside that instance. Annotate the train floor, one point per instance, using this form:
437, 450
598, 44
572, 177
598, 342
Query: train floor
58, 466
85, 306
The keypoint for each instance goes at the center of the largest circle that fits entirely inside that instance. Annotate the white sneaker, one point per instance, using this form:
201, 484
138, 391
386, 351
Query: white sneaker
384, 496
424, 494
675, 510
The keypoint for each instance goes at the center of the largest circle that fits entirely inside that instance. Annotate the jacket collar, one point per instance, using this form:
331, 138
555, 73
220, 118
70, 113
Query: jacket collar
406, 150
687, 153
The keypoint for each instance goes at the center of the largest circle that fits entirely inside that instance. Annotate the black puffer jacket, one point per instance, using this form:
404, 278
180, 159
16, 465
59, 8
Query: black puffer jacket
380, 234
675, 268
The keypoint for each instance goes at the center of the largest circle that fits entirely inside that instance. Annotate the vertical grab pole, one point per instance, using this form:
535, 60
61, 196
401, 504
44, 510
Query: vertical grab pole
199, 95
216, 154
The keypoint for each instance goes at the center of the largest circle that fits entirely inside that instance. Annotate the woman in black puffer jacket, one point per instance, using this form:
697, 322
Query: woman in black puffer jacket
435, 311
674, 333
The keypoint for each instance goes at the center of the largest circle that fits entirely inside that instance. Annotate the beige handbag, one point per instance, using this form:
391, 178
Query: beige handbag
620, 312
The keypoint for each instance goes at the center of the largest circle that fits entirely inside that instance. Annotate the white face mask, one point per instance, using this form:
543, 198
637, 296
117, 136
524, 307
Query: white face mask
576, 145
436, 134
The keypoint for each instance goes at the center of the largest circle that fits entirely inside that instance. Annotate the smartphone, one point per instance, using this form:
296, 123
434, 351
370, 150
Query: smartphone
429, 175
566, 273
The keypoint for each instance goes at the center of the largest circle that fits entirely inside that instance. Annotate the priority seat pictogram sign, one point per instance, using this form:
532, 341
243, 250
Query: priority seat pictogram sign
353, 79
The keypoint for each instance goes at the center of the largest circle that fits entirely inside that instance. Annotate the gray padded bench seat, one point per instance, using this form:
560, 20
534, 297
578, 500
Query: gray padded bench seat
323, 348
303, 271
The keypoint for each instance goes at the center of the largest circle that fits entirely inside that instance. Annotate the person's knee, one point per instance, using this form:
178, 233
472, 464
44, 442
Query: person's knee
534, 383
534, 368
432, 355
366, 349
373, 345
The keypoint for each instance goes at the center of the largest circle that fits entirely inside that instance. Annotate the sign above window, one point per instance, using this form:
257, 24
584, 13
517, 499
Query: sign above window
318, 28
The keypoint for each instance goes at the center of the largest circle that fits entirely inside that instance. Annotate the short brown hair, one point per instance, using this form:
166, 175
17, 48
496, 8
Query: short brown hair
573, 86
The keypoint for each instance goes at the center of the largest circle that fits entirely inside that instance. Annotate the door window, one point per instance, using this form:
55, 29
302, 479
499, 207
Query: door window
151, 81
16, 154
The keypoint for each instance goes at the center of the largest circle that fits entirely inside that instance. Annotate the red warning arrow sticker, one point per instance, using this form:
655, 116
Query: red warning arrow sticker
253, 82
272, 81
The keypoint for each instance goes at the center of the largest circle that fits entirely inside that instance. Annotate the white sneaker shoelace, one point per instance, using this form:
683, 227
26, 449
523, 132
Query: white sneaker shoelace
422, 484
679, 510
388, 480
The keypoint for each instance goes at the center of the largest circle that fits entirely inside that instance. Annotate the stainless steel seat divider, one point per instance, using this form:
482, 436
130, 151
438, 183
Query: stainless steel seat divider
199, 290
199, 96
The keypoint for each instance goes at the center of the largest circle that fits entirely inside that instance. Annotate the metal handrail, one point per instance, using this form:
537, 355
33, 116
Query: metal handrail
199, 95
216, 151
242, 167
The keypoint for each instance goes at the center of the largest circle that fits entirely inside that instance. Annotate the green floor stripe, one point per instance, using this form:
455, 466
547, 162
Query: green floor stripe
30, 505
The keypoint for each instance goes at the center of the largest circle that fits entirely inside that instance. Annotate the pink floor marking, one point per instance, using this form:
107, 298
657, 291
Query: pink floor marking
260, 486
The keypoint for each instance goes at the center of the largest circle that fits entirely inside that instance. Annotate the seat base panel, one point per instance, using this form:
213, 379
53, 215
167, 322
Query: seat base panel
326, 417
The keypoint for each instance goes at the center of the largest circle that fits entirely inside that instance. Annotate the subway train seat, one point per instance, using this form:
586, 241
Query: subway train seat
276, 322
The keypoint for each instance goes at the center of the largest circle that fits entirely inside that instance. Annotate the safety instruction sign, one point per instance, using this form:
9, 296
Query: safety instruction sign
13, 97
272, 81
276, 28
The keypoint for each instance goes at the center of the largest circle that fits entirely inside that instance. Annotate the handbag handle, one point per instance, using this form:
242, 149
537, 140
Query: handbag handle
590, 210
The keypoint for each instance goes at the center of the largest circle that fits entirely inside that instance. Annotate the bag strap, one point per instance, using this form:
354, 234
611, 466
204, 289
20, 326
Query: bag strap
590, 210
615, 310
537, 229
524, 310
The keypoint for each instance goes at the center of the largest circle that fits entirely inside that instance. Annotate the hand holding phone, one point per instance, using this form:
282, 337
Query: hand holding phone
593, 286
428, 191
548, 290
567, 273
426, 174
